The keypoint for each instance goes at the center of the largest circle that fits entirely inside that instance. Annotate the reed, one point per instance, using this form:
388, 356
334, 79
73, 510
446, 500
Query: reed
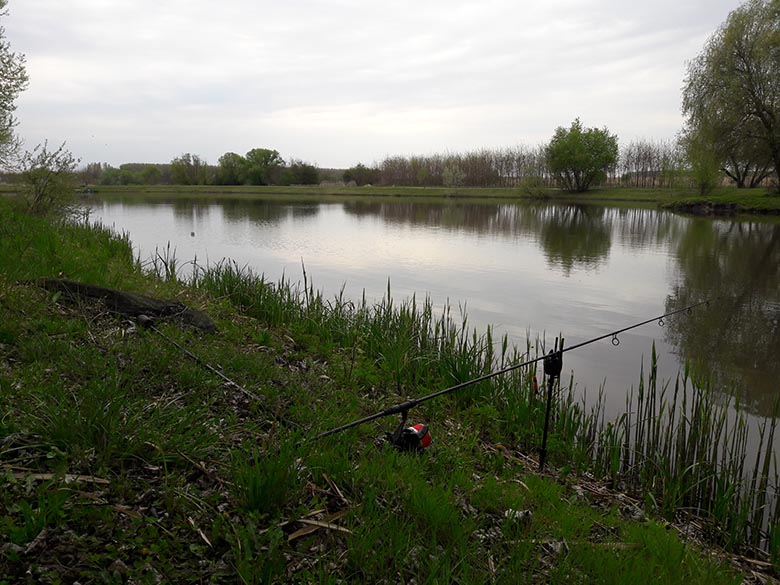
686, 450
678, 445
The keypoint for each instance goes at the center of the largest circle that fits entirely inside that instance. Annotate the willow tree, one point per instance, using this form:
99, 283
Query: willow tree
731, 96
13, 80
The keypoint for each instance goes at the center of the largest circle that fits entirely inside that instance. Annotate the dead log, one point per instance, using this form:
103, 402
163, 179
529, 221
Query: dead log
130, 304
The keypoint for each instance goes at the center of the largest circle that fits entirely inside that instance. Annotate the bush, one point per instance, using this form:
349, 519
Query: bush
48, 178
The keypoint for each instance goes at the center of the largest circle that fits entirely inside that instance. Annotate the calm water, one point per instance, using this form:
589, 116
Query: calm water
581, 271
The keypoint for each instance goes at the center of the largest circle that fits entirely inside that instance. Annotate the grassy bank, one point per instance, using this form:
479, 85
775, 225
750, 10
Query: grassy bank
726, 200
123, 460
729, 201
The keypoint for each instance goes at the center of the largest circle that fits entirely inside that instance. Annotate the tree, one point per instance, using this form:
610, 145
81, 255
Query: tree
731, 94
299, 172
110, 176
151, 175
13, 81
190, 169
651, 163
580, 157
453, 176
747, 163
703, 160
262, 166
231, 169
48, 179
361, 174
91, 173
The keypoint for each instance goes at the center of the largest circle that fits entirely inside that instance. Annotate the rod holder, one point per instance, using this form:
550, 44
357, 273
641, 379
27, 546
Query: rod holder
553, 364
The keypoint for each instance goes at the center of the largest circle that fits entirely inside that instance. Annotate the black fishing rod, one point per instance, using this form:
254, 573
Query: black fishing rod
553, 365
148, 323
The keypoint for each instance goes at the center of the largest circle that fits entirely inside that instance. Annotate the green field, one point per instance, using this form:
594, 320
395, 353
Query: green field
725, 200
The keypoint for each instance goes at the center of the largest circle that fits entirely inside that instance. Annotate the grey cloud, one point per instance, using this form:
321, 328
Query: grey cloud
346, 80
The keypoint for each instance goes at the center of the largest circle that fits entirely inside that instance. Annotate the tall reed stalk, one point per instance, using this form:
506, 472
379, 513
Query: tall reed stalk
686, 450
680, 446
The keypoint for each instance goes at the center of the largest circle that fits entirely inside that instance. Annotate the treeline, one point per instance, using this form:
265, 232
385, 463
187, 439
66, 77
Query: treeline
259, 166
126, 174
642, 163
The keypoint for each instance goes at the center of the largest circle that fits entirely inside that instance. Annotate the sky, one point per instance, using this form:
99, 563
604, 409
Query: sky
337, 82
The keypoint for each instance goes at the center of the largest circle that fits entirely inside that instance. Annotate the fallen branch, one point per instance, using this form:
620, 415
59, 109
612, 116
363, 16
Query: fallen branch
68, 478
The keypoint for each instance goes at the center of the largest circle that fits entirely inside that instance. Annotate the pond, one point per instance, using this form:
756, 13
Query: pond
526, 269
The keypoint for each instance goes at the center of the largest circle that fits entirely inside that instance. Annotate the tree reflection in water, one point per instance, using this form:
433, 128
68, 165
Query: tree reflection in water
735, 343
576, 235
736, 263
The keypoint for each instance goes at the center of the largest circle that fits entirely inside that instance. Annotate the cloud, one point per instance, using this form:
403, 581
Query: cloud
340, 80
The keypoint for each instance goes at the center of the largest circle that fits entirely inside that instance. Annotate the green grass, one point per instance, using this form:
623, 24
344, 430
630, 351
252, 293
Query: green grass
726, 199
721, 200
122, 460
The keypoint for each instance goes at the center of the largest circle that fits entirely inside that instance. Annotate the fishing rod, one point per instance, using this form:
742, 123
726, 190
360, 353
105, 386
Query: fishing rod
148, 323
417, 438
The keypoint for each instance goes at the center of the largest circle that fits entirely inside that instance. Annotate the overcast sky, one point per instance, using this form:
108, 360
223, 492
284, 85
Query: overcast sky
336, 82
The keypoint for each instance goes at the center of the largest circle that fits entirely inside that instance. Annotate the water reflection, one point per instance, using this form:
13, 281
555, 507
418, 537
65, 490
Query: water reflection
229, 210
265, 212
643, 229
468, 218
583, 270
576, 236
736, 340
196, 212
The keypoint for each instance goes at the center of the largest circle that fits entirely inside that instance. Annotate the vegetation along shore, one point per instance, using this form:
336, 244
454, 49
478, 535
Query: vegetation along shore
124, 459
721, 201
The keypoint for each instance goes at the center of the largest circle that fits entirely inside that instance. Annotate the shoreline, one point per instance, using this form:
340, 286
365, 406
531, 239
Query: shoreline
726, 201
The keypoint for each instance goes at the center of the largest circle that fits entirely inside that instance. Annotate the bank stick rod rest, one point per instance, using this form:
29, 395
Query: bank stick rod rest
553, 364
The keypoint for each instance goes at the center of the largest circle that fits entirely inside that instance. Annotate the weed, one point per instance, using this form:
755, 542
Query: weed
266, 481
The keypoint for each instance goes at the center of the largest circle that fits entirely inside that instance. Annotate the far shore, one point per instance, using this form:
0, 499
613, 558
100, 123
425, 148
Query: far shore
722, 201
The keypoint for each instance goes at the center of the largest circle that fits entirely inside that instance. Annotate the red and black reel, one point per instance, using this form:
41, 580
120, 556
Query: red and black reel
415, 438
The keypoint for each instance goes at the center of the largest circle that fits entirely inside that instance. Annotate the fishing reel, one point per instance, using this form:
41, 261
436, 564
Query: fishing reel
415, 438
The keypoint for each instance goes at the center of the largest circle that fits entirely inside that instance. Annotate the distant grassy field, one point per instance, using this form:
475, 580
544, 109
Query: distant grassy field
723, 200
374, 191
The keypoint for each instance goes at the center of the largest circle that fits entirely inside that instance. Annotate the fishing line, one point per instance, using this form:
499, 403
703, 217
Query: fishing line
404, 407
